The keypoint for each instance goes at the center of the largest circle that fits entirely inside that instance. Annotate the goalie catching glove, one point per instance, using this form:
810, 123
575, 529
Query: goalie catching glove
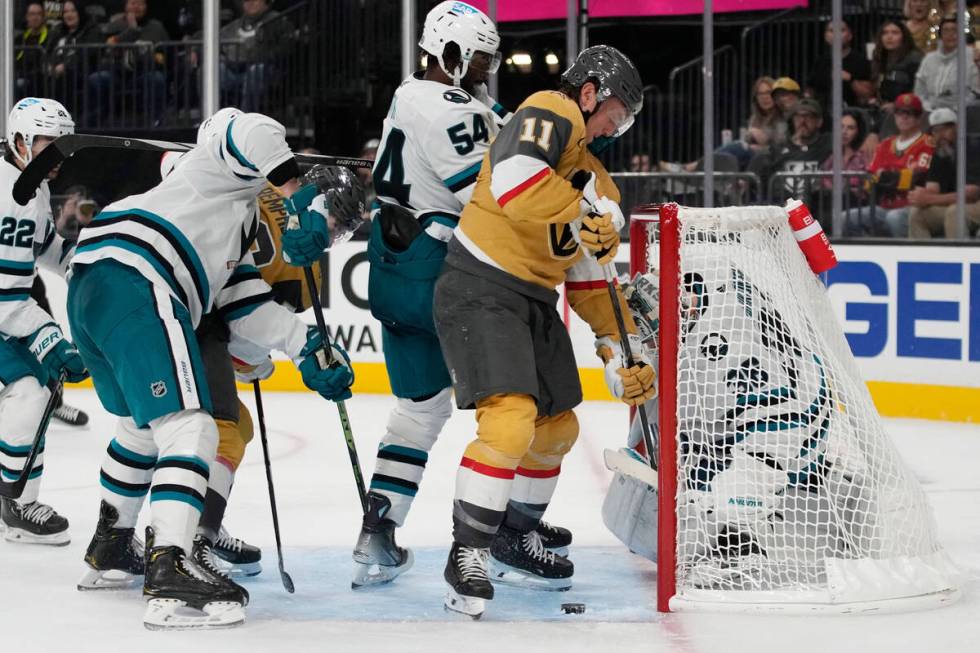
331, 378
633, 385
598, 229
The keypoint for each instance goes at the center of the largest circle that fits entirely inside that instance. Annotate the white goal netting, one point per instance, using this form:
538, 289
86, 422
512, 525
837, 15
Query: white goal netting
789, 491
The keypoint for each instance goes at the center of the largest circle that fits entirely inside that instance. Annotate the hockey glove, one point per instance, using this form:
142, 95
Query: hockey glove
56, 354
633, 385
602, 219
307, 235
331, 378
247, 373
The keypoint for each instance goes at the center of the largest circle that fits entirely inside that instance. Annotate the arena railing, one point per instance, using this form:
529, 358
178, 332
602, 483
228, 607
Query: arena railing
643, 137
685, 108
813, 188
687, 188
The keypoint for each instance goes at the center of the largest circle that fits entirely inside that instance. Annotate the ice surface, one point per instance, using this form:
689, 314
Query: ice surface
41, 609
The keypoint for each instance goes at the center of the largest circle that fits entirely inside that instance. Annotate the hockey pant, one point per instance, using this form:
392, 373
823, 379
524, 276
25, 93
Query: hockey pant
509, 473
22, 405
167, 460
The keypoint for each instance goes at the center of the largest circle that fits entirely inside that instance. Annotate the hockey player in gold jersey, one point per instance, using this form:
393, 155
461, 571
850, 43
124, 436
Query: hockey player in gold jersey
544, 212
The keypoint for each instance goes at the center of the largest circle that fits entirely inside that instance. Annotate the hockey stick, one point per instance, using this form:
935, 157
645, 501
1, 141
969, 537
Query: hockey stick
66, 146
13, 489
624, 343
341, 408
287, 580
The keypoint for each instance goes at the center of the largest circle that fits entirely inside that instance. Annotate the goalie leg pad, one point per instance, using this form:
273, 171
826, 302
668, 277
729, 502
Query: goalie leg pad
413, 427
630, 513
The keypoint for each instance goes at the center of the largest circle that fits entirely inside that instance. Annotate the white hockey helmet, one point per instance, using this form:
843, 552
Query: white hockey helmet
466, 26
32, 117
217, 123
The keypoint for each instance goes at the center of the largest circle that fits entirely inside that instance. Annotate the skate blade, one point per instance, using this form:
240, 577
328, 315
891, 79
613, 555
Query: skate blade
95, 580
174, 614
246, 570
470, 606
504, 574
20, 536
372, 575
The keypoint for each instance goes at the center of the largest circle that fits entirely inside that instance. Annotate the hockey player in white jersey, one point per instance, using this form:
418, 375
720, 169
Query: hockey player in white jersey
34, 353
145, 271
438, 128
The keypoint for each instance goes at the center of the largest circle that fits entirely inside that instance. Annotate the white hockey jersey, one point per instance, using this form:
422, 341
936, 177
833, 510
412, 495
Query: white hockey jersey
191, 234
432, 146
27, 238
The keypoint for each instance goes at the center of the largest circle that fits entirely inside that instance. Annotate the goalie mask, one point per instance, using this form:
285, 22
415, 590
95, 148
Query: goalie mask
614, 75
467, 27
341, 198
33, 117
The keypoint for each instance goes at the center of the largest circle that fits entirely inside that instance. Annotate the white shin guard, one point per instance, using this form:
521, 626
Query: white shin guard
22, 405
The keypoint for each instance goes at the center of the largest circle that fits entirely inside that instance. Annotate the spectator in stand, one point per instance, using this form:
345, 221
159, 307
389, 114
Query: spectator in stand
853, 131
805, 150
69, 64
855, 71
137, 69
917, 20
894, 63
640, 163
254, 47
933, 212
900, 161
935, 82
29, 47
767, 126
786, 93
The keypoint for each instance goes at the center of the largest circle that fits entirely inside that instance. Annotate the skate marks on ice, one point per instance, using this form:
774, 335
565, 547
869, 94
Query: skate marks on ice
614, 585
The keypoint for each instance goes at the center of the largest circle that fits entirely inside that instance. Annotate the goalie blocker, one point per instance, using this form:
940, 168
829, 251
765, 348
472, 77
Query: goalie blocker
778, 487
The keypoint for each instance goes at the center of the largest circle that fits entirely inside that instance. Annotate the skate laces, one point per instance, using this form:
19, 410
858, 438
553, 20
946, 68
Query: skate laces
473, 562
545, 526
205, 557
37, 512
198, 562
66, 413
226, 541
535, 547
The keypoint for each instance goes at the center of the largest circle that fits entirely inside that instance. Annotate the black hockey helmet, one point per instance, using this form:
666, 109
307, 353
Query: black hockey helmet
615, 72
344, 198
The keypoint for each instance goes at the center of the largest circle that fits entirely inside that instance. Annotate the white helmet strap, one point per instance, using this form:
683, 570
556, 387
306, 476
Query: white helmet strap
28, 145
457, 73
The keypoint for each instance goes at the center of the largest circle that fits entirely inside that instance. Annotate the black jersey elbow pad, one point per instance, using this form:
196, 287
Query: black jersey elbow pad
283, 172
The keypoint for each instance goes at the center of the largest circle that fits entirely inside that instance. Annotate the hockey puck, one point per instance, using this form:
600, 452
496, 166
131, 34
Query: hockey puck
573, 608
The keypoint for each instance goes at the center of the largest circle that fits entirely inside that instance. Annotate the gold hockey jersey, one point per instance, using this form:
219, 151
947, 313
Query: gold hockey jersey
518, 218
288, 282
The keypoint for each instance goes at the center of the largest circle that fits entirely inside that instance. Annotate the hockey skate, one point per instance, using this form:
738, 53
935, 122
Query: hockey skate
33, 523
377, 558
114, 556
235, 557
521, 559
736, 561
204, 557
183, 596
69, 414
469, 585
554, 538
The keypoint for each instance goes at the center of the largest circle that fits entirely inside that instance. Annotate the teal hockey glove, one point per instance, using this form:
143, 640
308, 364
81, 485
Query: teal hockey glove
56, 354
332, 378
307, 235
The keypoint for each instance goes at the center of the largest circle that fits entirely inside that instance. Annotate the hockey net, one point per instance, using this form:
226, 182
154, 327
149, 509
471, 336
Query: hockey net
778, 486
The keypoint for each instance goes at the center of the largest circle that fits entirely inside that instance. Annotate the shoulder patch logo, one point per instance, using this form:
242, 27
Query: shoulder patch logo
456, 96
158, 389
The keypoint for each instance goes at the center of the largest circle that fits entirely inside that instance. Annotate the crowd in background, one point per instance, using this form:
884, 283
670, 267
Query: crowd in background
88, 55
898, 128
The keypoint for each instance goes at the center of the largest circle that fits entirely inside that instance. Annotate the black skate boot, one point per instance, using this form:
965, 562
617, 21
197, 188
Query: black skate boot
203, 555
469, 585
737, 560
521, 559
69, 414
236, 557
33, 523
377, 559
114, 556
181, 595
555, 538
